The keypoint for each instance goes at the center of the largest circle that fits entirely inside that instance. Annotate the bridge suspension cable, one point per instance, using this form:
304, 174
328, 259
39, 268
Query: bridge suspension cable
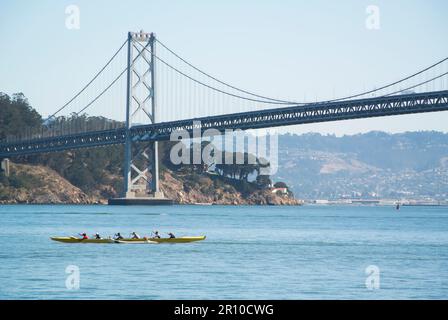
101, 93
89, 83
295, 102
220, 81
110, 85
211, 87
250, 96
417, 85
396, 82
284, 102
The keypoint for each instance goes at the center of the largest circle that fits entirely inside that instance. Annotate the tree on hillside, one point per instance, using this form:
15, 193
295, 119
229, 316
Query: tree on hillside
17, 117
263, 181
280, 184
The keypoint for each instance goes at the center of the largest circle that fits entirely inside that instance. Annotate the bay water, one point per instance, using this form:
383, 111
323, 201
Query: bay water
251, 252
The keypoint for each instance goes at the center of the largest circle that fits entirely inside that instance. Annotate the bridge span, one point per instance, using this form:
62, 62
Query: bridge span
312, 113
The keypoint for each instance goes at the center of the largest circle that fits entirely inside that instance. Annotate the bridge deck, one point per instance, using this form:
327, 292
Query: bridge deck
311, 113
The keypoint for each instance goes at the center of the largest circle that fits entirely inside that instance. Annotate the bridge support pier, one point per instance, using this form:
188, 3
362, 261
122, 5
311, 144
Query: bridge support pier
141, 164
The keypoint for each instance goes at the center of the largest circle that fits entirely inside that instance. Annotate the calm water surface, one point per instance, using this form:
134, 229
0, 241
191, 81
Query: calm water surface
251, 252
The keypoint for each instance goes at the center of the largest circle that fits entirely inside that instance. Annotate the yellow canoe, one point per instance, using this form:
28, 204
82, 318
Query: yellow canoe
177, 240
129, 240
78, 240
161, 240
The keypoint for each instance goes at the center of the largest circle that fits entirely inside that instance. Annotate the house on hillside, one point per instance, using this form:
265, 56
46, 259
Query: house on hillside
280, 191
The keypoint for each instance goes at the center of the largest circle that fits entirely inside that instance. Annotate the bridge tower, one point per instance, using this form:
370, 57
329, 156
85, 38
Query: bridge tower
141, 164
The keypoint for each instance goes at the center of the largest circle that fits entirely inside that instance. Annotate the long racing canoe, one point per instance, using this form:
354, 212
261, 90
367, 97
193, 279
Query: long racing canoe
129, 240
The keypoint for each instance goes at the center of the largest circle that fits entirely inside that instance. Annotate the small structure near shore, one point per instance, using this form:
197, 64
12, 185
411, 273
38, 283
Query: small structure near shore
282, 191
5, 166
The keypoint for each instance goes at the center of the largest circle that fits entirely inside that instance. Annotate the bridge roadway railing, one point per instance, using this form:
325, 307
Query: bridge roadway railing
316, 112
311, 113
64, 142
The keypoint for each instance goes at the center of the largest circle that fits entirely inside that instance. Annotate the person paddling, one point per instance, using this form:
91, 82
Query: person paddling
84, 236
97, 236
156, 234
118, 236
135, 235
172, 236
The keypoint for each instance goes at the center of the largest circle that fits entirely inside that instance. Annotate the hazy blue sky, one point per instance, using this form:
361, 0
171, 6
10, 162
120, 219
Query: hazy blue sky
291, 49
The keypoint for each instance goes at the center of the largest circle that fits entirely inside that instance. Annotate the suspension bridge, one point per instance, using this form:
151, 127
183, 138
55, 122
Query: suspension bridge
162, 92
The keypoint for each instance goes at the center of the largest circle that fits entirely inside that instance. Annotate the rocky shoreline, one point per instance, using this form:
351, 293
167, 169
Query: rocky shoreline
45, 186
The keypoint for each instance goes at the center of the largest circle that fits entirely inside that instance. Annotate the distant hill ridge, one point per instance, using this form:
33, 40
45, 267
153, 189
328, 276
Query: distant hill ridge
374, 164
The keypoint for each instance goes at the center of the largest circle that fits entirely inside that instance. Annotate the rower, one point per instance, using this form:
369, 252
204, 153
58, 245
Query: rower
156, 234
118, 236
84, 236
135, 235
172, 236
97, 236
